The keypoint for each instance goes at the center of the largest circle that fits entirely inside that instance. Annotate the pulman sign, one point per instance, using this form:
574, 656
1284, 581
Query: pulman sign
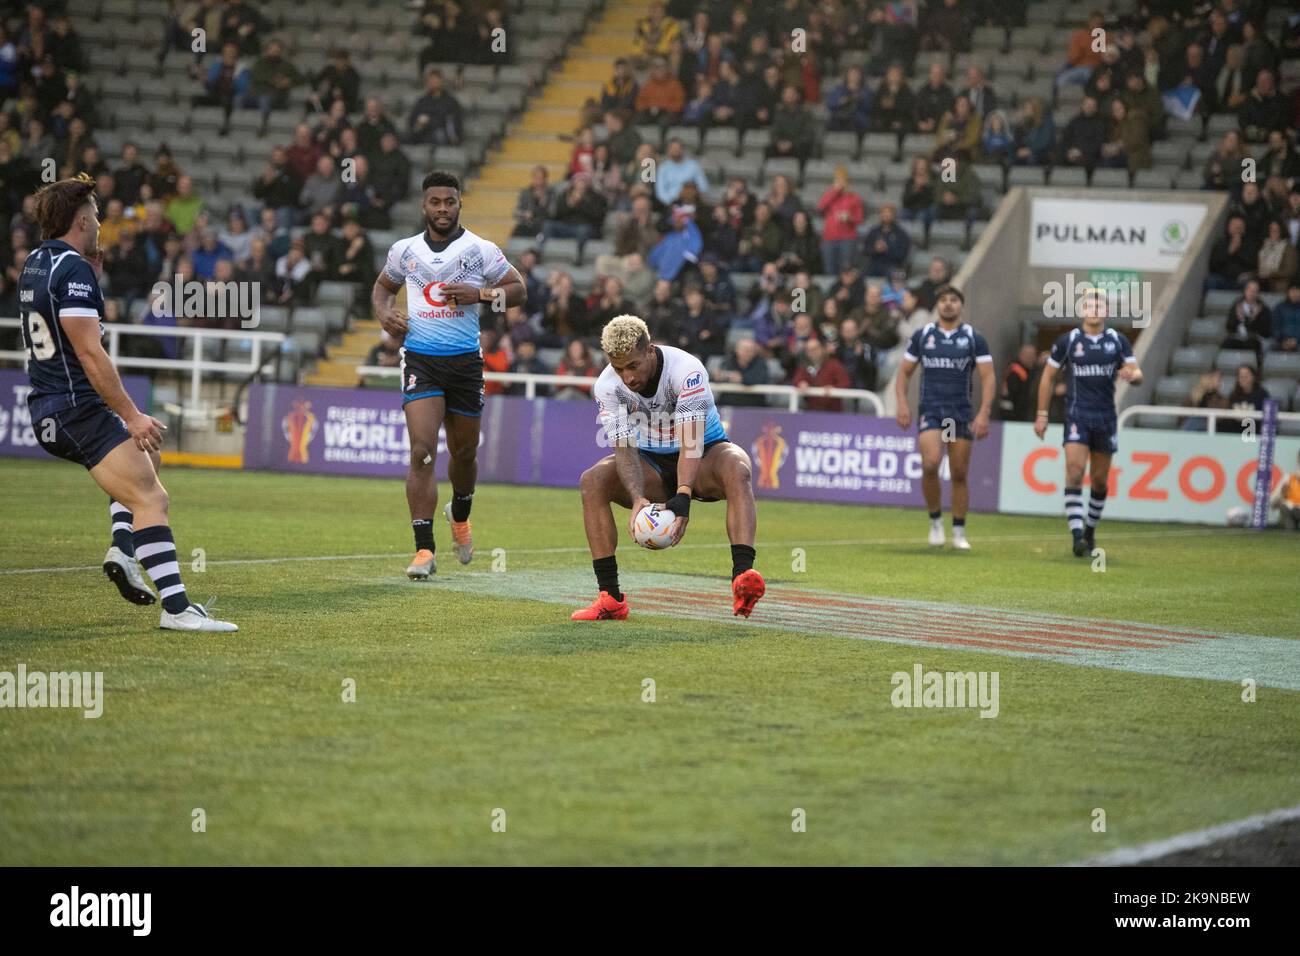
1190, 477
1111, 234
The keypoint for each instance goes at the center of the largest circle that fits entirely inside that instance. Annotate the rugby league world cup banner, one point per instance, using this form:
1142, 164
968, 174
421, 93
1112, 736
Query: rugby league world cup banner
17, 437
810, 456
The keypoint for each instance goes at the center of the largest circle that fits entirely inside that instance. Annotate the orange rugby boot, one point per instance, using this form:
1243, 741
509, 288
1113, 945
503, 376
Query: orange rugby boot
604, 608
422, 565
747, 589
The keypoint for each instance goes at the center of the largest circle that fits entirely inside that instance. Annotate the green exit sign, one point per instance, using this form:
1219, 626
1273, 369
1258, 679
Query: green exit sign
1113, 277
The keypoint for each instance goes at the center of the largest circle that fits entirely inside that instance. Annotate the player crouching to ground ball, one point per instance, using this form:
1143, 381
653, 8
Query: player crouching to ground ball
658, 414
1096, 356
948, 351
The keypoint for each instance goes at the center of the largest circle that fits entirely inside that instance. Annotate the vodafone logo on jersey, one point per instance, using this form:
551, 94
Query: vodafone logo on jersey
430, 292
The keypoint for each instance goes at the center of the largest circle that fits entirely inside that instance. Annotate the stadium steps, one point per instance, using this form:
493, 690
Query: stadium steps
340, 368
543, 134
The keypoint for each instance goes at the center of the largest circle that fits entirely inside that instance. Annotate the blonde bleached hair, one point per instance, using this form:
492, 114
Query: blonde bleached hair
624, 334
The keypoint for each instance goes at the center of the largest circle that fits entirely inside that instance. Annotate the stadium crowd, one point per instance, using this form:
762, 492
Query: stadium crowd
836, 298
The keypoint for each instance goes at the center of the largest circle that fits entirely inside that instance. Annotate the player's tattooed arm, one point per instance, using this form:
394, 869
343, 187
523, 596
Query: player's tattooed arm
83, 332
628, 462
383, 298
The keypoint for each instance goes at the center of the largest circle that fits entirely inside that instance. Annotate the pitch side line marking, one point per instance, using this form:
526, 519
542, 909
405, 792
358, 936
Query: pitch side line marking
802, 543
1193, 840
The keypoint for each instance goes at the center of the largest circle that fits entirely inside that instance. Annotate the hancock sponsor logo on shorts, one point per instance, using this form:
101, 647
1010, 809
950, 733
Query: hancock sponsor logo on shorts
922, 688
75, 909
209, 300
78, 690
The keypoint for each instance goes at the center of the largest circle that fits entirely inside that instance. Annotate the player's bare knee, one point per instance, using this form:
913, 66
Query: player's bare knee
930, 469
739, 475
463, 454
592, 482
421, 456
154, 500
958, 473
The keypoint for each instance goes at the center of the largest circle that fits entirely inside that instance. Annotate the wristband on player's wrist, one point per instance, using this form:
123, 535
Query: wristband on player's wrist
1041, 415
679, 504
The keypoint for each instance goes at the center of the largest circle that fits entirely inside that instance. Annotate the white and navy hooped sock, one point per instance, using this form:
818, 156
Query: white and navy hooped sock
1095, 503
156, 551
1074, 509
121, 519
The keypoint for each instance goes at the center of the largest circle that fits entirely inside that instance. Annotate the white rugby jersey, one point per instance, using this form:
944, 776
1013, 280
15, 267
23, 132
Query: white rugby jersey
435, 327
683, 395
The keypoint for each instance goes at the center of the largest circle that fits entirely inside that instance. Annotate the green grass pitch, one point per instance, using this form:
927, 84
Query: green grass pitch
470, 700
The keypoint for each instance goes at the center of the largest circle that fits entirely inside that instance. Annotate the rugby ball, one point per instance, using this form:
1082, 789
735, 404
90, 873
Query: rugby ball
653, 527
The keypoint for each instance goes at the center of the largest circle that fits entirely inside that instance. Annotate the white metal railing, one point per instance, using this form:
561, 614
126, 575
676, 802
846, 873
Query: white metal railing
530, 381
196, 365
1213, 414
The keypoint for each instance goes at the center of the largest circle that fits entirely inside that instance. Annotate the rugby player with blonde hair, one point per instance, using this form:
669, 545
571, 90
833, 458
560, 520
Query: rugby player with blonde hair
1097, 355
658, 414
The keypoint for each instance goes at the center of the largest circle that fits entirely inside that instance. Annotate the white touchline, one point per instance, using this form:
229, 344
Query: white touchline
803, 542
1128, 856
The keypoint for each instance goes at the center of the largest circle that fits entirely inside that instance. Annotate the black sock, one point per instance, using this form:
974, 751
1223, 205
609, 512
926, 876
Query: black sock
607, 576
742, 559
423, 528
959, 522
936, 515
122, 520
460, 505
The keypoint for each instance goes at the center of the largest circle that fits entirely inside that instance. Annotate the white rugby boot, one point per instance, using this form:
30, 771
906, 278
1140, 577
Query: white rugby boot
936, 533
124, 571
194, 618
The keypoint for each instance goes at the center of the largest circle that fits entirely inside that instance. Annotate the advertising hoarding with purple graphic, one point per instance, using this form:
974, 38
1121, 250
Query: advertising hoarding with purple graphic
811, 456
17, 437
851, 459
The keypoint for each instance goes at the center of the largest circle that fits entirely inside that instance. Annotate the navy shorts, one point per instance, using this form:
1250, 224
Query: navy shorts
1099, 436
665, 465
458, 379
83, 435
961, 428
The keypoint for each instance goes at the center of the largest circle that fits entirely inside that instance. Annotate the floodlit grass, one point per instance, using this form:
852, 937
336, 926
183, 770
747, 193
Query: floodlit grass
471, 702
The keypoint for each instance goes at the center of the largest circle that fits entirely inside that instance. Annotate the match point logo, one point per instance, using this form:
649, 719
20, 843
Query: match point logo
923, 688
299, 428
